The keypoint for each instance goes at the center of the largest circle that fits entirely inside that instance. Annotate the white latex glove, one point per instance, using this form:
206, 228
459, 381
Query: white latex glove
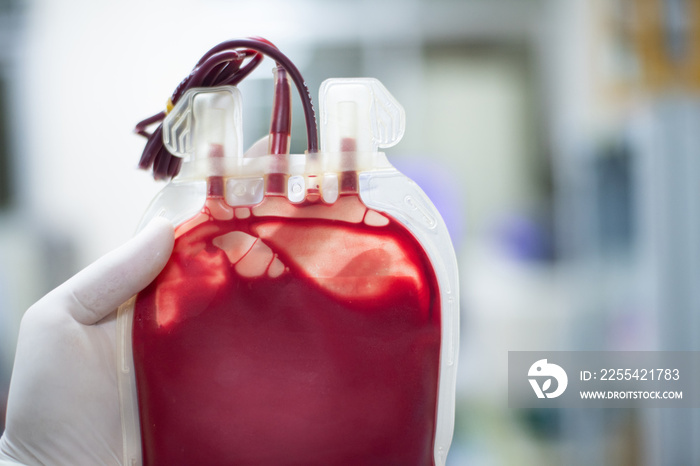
63, 406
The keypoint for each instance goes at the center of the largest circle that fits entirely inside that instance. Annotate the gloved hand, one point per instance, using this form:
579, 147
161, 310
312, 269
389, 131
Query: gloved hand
63, 406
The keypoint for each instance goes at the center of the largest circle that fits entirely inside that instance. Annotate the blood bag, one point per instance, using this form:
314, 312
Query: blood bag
309, 311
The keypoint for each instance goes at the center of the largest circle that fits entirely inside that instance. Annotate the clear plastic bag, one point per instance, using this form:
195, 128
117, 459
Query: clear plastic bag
309, 312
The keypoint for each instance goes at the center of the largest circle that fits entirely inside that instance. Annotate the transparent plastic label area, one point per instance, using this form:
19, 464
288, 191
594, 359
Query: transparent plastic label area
345, 334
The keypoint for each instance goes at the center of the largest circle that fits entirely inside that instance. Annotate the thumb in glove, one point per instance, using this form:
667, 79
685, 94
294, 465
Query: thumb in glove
63, 404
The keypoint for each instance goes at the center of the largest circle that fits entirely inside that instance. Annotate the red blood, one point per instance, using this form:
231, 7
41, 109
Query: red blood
307, 337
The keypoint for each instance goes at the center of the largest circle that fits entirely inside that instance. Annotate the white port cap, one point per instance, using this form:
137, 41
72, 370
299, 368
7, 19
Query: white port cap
359, 114
204, 118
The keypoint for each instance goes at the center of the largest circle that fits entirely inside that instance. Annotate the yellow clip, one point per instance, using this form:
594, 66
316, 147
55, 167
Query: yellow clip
169, 105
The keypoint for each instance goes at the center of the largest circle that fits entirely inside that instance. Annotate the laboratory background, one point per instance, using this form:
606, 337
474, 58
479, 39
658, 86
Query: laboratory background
559, 139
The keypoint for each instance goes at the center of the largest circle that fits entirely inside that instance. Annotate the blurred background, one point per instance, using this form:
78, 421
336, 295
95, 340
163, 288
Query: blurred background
560, 140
